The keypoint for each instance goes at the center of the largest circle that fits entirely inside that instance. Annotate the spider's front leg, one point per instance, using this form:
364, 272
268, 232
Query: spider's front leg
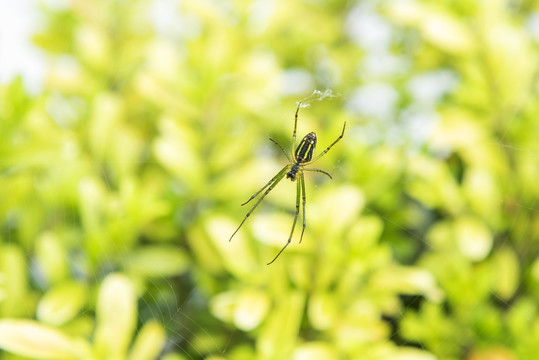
295, 127
283, 150
329, 147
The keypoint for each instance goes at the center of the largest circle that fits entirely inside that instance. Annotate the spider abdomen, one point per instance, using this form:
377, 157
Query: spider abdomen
305, 149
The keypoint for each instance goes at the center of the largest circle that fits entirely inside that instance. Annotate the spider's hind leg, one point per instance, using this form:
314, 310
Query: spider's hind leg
302, 179
298, 194
265, 186
276, 179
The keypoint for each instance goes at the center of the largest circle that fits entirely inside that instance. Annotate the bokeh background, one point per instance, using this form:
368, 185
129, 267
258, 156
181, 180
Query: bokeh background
131, 132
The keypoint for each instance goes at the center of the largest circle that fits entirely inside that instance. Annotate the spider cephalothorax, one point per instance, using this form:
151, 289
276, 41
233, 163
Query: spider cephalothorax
303, 155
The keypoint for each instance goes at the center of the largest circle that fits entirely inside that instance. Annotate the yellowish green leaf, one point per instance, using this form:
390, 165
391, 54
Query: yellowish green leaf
473, 237
156, 261
149, 342
32, 339
116, 316
62, 303
507, 272
315, 351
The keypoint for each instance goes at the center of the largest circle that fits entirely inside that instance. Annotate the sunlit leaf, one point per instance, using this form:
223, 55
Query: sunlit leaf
277, 337
62, 303
314, 351
13, 281
149, 342
116, 316
473, 238
31, 339
52, 257
507, 274
251, 309
156, 261
323, 311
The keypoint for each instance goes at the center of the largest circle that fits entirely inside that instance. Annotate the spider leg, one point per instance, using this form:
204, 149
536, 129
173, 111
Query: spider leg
320, 171
276, 179
280, 147
304, 201
295, 127
265, 186
329, 147
298, 192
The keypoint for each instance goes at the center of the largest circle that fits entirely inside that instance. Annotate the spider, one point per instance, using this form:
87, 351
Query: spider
294, 170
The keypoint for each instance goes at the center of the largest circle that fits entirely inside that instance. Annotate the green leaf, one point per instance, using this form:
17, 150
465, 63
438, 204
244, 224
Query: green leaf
62, 303
156, 261
116, 316
149, 342
474, 239
278, 336
13, 281
31, 339
507, 272
52, 257
315, 351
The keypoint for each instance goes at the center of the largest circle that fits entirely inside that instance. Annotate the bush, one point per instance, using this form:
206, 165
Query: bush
121, 183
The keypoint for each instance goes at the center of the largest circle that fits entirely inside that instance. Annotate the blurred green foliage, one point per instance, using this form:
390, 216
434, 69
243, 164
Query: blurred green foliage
120, 183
